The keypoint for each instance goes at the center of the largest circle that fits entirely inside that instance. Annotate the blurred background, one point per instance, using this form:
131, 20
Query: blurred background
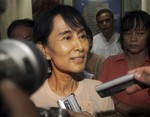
18, 9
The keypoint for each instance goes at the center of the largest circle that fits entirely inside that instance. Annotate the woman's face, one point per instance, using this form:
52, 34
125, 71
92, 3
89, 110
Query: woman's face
136, 40
67, 48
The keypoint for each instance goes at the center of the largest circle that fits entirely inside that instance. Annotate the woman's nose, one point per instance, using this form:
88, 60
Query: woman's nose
78, 45
133, 36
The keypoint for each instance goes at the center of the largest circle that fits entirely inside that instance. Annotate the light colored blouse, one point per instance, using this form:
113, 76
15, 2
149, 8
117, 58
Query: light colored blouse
86, 96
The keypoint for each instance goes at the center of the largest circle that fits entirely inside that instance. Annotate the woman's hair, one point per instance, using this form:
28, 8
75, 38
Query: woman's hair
45, 24
128, 23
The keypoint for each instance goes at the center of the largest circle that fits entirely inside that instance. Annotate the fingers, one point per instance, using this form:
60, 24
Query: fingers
137, 72
133, 88
142, 74
17, 101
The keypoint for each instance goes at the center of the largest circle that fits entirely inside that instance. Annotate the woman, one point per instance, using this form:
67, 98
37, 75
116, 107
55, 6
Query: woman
135, 41
61, 34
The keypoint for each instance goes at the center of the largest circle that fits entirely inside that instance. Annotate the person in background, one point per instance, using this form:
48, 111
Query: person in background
94, 61
63, 36
135, 41
21, 29
106, 42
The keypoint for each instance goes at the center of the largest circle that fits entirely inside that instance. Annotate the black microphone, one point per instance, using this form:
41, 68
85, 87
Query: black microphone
23, 63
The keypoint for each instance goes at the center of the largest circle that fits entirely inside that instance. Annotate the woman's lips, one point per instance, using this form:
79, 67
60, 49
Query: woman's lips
78, 60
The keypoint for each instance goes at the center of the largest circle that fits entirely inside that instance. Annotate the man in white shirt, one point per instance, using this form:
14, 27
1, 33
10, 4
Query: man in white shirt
106, 42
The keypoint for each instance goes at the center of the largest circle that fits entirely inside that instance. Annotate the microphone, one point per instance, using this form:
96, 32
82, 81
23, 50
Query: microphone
23, 63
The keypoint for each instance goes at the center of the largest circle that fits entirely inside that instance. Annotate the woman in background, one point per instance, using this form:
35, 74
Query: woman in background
135, 41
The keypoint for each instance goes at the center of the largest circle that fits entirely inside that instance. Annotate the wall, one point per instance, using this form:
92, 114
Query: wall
145, 5
16, 9
67, 2
23, 9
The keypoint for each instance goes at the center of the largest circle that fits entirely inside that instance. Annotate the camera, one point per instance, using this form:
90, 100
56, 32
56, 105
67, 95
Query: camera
70, 103
53, 112
22, 63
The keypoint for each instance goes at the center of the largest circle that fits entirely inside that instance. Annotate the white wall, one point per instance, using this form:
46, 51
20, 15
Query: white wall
24, 9
145, 5
16, 9
68, 2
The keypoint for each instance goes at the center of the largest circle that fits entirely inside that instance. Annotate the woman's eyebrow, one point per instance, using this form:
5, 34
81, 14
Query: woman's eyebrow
69, 31
81, 30
64, 32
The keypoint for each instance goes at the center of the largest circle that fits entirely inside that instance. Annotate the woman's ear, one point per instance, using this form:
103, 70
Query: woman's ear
43, 49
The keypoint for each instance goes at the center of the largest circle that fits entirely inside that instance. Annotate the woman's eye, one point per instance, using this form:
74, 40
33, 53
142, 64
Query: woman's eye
140, 33
67, 37
127, 33
83, 36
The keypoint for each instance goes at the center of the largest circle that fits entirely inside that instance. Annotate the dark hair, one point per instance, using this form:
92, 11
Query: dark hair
44, 25
40, 6
25, 22
101, 11
128, 23
90, 37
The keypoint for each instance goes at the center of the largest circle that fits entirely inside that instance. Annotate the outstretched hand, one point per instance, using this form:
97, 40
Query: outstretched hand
142, 75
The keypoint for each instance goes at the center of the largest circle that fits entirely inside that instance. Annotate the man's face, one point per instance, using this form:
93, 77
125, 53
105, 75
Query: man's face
22, 32
105, 23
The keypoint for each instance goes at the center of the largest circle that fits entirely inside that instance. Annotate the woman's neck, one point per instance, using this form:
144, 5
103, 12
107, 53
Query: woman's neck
62, 85
135, 60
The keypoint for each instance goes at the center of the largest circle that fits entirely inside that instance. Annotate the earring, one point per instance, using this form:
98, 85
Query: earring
47, 58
